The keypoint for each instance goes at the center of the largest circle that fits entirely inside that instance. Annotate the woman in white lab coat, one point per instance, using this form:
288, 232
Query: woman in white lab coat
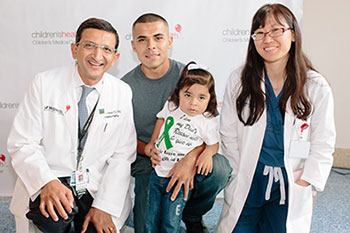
277, 129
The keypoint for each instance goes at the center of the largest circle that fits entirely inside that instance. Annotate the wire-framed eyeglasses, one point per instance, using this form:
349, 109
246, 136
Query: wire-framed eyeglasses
88, 45
273, 33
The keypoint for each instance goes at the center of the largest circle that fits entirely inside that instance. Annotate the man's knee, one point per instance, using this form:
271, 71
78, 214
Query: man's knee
49, 226
221, 169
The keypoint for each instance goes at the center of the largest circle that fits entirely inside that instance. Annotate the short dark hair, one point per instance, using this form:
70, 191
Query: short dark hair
97, 24
196, 76
149, 18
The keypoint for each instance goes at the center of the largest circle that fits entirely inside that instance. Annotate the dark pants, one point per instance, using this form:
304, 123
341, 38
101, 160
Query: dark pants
202, 197
259, 215
47, 225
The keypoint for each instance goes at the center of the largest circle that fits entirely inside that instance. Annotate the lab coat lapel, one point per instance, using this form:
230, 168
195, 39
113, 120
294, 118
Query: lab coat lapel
70, 107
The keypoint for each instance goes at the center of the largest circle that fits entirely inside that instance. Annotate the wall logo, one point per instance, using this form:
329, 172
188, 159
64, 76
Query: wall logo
175, 34
52, 37
235, 35
2, 161
8, 105
178, 28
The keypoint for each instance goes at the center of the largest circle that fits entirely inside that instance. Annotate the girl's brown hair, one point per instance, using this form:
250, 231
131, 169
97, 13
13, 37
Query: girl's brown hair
196, 76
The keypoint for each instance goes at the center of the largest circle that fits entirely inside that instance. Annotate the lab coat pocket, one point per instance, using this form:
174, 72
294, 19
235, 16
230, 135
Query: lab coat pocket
303, 199
299, 149
300, 145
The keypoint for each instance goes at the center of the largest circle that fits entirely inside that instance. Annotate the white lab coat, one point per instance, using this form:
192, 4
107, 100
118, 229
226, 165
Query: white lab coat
242, 144
43, 142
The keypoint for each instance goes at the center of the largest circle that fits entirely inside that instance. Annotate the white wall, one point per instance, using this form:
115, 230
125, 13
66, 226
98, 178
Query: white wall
326, 38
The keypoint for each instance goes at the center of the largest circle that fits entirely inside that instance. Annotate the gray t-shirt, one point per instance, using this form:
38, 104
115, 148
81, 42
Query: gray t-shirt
149, 96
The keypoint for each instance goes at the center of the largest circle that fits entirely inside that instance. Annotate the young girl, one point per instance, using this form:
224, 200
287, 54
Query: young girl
186, 121
277, 130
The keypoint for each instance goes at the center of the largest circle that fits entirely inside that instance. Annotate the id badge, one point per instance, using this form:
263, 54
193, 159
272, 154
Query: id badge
72, 179
81, 181
299, 149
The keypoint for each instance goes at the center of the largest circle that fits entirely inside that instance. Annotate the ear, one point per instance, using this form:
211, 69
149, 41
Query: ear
73, 48
115, 58
133, 46
171, 39
293, 36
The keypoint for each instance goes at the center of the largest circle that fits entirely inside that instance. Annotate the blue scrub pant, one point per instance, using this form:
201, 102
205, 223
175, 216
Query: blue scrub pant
202, 197
259, 215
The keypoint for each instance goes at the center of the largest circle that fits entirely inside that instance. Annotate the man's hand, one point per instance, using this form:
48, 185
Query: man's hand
102, 221
182, 173
54, 195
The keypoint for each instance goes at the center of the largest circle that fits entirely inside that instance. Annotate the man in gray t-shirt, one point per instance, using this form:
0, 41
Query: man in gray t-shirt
152, 83
149, 95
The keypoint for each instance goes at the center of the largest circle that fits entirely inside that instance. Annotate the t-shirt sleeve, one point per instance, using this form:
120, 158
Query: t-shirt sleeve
165, 111
211, 131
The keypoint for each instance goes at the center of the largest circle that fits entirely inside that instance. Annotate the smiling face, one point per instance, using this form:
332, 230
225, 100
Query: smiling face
194, 100
274, 49
151, 42
94, 62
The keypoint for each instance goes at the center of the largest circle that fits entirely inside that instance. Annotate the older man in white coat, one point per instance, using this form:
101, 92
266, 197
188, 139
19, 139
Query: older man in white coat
69, 170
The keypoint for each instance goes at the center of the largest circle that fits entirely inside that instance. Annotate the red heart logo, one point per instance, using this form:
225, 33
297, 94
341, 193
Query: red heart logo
67, 107
178, 27
2, 157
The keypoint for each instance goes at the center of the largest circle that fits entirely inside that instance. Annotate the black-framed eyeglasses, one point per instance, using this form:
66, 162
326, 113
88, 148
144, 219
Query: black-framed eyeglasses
88, 45
273, 33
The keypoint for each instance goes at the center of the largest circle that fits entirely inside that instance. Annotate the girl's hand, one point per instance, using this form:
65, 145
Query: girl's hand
155, 157
153, 153
205, 163
148, 148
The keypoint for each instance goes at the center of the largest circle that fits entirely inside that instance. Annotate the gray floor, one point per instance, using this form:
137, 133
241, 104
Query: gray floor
331, 213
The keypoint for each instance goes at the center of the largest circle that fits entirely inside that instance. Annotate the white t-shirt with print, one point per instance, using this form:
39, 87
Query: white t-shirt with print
180, 134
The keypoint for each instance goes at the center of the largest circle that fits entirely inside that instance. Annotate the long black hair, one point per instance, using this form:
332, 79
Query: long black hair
253, 71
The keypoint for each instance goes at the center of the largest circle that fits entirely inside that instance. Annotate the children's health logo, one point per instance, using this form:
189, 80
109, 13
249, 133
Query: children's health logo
235, 35
52, 37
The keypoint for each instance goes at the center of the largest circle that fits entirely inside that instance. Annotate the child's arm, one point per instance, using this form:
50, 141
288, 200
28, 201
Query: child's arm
150, 150
205, 161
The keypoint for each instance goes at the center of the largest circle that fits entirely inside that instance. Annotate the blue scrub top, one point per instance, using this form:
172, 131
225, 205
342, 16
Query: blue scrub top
272, 151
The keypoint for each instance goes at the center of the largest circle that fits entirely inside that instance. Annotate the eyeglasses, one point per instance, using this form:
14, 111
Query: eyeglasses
273, 33
92, 46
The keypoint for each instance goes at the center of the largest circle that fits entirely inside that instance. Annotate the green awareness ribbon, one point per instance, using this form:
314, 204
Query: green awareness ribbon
168, 123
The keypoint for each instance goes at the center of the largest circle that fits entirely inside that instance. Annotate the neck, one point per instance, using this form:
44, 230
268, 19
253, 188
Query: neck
157, 72
89, 82
276, 70
277, 75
